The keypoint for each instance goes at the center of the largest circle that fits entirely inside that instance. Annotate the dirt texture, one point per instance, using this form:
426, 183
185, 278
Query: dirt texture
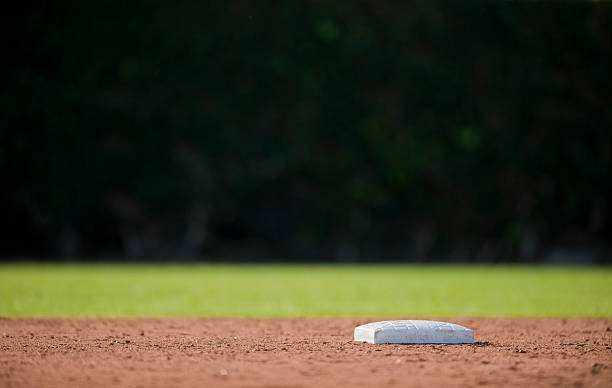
192, 352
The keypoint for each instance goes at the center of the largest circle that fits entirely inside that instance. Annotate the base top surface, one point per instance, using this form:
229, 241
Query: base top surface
413, 332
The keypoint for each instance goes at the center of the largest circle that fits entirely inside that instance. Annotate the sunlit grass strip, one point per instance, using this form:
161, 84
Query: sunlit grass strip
409, 291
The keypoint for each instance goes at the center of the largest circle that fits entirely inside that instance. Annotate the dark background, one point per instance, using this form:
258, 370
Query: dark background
343, 131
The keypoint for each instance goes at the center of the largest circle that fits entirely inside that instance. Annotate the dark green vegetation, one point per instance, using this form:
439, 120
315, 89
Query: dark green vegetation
304, 290
306, 130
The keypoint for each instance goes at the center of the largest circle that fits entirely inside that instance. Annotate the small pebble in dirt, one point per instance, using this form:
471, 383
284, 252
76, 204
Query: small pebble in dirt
127, 341
235, 337
521, 351
223, 372
398, 361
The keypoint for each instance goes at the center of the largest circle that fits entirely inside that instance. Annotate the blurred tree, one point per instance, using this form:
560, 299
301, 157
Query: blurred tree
315, 130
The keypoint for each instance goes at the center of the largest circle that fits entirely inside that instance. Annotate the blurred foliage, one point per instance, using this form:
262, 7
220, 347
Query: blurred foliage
309, 130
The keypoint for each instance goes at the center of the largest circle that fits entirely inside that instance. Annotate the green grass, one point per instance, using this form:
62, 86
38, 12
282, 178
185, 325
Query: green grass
304, 290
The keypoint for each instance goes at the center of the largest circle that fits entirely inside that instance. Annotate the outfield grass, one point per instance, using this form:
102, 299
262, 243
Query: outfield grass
303, 290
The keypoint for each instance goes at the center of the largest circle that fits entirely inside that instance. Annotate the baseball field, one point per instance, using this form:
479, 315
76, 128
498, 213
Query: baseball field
292, 325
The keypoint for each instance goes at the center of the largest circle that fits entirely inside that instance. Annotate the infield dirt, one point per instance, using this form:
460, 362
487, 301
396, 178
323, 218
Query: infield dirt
193, 352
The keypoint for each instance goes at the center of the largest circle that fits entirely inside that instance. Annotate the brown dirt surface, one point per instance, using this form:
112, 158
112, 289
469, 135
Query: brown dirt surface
194, 352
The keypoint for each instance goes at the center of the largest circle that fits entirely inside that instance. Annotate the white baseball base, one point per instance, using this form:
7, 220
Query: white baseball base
413, 332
